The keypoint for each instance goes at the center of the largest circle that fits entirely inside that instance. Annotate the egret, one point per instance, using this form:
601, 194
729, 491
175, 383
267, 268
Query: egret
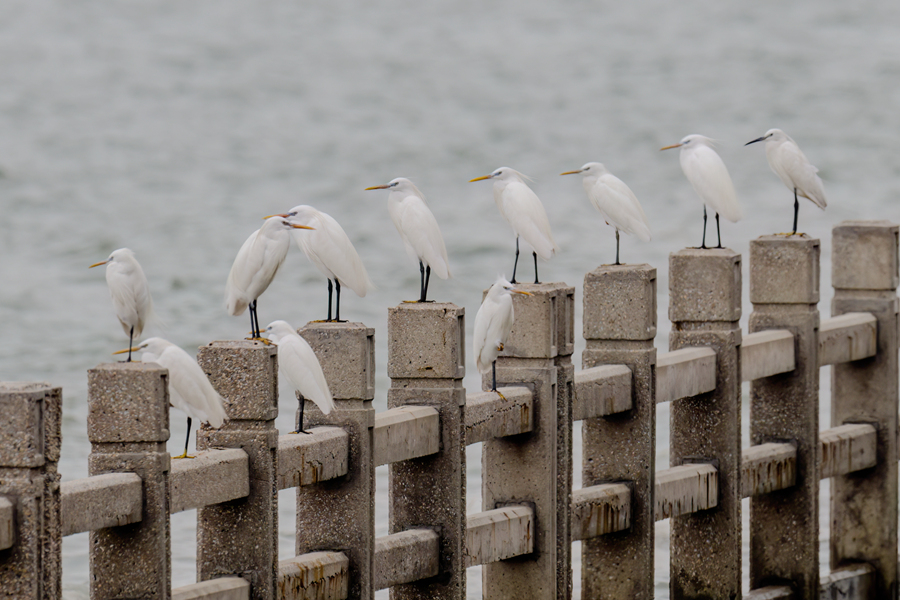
330, 250
616, 202
255, 266
524, 212
797, 173
189, 389
418, 228
709, 178
130, 292
298, 362
493, 324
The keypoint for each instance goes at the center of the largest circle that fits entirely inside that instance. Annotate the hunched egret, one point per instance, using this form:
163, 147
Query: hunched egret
493, 324
130, 292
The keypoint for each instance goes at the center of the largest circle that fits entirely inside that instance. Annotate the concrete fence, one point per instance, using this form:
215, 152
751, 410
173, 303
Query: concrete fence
531, 513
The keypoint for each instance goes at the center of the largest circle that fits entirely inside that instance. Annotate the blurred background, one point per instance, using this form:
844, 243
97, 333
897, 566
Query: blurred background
173, 127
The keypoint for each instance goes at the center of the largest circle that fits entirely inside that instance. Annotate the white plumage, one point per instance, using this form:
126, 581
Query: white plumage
493, 324
129, 291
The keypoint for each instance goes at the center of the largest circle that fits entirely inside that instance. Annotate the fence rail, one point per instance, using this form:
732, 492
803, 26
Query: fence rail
531, 510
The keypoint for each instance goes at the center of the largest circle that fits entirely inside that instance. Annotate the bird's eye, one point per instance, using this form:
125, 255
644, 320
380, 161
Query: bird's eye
395, 184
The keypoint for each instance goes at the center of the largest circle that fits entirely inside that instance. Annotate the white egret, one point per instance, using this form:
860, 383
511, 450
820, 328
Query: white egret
419, 230
524, 212
330, 250
298, 362
493, 324
709, 178
793, 168
189, 389
616, 202
255, 266
130, 292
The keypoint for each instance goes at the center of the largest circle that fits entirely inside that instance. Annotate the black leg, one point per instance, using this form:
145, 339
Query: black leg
718, 231
494, 376
427, 279
421, 281
796, 210
536, 280
515, 264
703, 243
187, 439
253, 326
617, 247
337, 304
330, 290
130, 343
302, 400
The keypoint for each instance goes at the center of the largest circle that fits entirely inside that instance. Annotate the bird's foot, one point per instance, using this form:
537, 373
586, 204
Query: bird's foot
500, 347
130, 361
185, 455
502, 397
791, 233
262, 340
302, 431
323, 321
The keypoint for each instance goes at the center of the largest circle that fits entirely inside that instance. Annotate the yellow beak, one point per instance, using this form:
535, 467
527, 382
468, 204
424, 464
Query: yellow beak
571, 172
126, 350
98, 264
670, 147
523, 293
378, 187
482, 178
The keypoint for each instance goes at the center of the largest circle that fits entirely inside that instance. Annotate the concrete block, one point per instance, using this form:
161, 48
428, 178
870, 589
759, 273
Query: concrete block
346, 352
847, 449
488, 415
767, 353
865, 255
245, 373
704, 285
100, 501
498, 534
310, 459
850, 582
223, 588
602, 391
771, 592
784, 270
209, 478
434, 350
122, 404
686, 489
7, 523
848, 337
406, 432
314, 576
600, 509
768, 467
609, 288
539, 321
22, 441
685, 373
406, 557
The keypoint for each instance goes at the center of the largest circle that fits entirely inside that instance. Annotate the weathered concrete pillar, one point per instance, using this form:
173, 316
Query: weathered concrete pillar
705, 307
864, 504
240, 537
619, 327
128, 426
531, 469
784, 524
29, 451
339, 514
426, 364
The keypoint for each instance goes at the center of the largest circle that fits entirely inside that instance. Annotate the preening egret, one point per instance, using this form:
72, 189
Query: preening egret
524, 212
616, 202
130, 292
189, 389
298, 362
797, 173
330, 250
255, 266
419, 230
493, 324
709, 178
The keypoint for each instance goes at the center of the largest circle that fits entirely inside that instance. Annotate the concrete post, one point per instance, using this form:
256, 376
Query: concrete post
339, 514
240, 537
29, 452
705, 307
784, 524
426, 364
864, 504
619, 327
128, 426
531, 469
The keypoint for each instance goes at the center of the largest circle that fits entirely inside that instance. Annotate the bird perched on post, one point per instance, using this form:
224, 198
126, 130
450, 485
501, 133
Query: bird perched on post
523, 210
189, 389
709, 178
298, 362
493, 324
418, 229
130, 292
330, 250
255, 266
793, 168
616, 202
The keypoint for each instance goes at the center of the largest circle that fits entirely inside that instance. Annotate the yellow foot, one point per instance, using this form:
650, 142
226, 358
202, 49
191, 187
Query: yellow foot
502, 397
500, 347
259, 339
306, 432
185, 455
791, 233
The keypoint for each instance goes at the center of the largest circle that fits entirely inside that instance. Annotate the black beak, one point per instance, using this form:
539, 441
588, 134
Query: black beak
759, 139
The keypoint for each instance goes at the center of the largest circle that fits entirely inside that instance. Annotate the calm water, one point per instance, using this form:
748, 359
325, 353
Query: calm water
173, 127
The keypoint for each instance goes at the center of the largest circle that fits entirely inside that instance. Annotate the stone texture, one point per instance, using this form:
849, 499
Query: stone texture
406, 557
488, 415
100, 501
499, 534
766, 353
686, 489
848, 448
544, 322
128, 425
307, 459
339, 514
240, 537
314, 576
223, 588
685, 373
846, 338
774, 276
30, 568
868, 255
621, 447
768, 467
7, 523
209, 478
601, 391
707, 287
600, 510
430, 491
406, 432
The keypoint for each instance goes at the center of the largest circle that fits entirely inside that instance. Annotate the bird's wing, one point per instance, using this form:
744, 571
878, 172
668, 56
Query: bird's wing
493, 324
329, 248
189, 389
523, 210
298, 362
795, 171
709, 177
424, 235
619, 204
264, 259
239, 277
130, 293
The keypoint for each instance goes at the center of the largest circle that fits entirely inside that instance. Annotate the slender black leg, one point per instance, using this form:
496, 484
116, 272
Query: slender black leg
337, 304
330, 290
302, 400
796, 210
187, 438
254, 316
617, 247
703, 243
718, 231
515, 264
130, 343
494, 376
421, 282
536, 280
252, 307
427, 279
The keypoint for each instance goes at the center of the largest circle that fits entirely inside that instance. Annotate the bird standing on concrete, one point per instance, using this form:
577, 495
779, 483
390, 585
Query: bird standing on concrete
130, 292
189, 389
419, 230
524, 212
616, 202
793, 168
298, 362
330, 250
493, 324
255, 266
709, 178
